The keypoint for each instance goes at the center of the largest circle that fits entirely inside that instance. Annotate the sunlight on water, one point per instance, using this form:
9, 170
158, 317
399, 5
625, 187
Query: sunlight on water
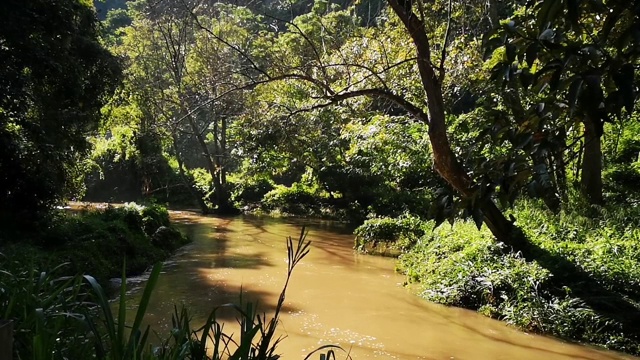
336, 297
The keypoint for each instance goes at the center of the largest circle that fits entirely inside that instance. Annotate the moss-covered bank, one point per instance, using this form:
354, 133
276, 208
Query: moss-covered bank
96, 241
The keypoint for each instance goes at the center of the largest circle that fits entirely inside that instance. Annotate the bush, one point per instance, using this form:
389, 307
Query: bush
404, 231
251, 190
461, 266
621, 183
153, 218
296, 200
97, 242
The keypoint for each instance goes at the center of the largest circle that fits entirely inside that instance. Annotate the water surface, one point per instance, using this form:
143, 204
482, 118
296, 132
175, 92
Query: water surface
335, 297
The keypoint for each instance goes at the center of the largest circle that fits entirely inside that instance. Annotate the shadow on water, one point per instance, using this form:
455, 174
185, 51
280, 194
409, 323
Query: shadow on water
198, 276
500, 339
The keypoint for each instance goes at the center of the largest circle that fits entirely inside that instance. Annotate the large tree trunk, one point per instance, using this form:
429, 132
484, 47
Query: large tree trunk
211, 166
220, 179
591, 180
445, 161
223, 151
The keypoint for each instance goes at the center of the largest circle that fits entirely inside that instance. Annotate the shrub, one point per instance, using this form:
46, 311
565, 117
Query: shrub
461, 266
97, 242
154, 217
297, 199
621, 182
404, 231
251, 190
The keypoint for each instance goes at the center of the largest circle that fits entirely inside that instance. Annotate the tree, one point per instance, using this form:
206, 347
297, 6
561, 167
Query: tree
334, 75
576, 61
54, 78
179, 77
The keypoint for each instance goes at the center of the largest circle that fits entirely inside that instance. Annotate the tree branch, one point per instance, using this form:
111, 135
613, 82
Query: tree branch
445, 44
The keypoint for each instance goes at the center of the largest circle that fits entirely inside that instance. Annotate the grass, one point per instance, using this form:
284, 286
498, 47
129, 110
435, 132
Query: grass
461, 266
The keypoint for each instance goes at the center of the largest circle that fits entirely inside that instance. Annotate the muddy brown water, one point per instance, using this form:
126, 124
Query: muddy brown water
336, 297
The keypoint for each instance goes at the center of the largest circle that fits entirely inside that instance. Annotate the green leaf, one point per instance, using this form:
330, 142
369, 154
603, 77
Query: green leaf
491, 46
552, 66
547, 35
526, 78
478, 216
546, 13
523, 140
554, 83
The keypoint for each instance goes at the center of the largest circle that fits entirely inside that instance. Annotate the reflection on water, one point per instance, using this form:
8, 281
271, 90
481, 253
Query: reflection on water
336, 297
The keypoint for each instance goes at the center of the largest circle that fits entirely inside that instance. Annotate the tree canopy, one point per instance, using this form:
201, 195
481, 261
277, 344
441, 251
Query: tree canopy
55, 77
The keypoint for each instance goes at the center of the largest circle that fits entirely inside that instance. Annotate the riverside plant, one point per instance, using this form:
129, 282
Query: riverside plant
72, 318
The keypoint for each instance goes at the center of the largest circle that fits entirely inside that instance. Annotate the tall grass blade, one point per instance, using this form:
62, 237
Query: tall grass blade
103, 303
144, 301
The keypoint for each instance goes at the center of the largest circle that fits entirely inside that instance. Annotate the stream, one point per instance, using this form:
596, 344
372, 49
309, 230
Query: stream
336, 296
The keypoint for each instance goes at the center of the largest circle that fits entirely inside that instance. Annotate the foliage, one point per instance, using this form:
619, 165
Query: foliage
203, 182
296, 199
403, 231
47, 309
461, 266
98, 242
622, 172
250, 190
55, 77
574, 62
318, 112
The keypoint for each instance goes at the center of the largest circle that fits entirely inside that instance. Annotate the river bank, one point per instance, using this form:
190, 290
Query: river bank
95, 240
579, 280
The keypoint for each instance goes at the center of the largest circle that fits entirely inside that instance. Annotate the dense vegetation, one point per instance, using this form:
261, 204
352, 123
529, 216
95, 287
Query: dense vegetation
582, 286
133, 236
56, 77
516, 122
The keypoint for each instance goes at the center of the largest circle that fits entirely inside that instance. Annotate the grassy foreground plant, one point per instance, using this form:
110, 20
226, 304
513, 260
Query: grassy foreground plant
47, 310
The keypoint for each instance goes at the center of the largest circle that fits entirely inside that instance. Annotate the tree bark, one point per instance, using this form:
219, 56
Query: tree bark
591, 180
211, 167
445, 161
223, 201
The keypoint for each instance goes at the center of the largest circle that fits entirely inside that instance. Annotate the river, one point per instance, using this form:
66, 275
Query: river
336, 296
